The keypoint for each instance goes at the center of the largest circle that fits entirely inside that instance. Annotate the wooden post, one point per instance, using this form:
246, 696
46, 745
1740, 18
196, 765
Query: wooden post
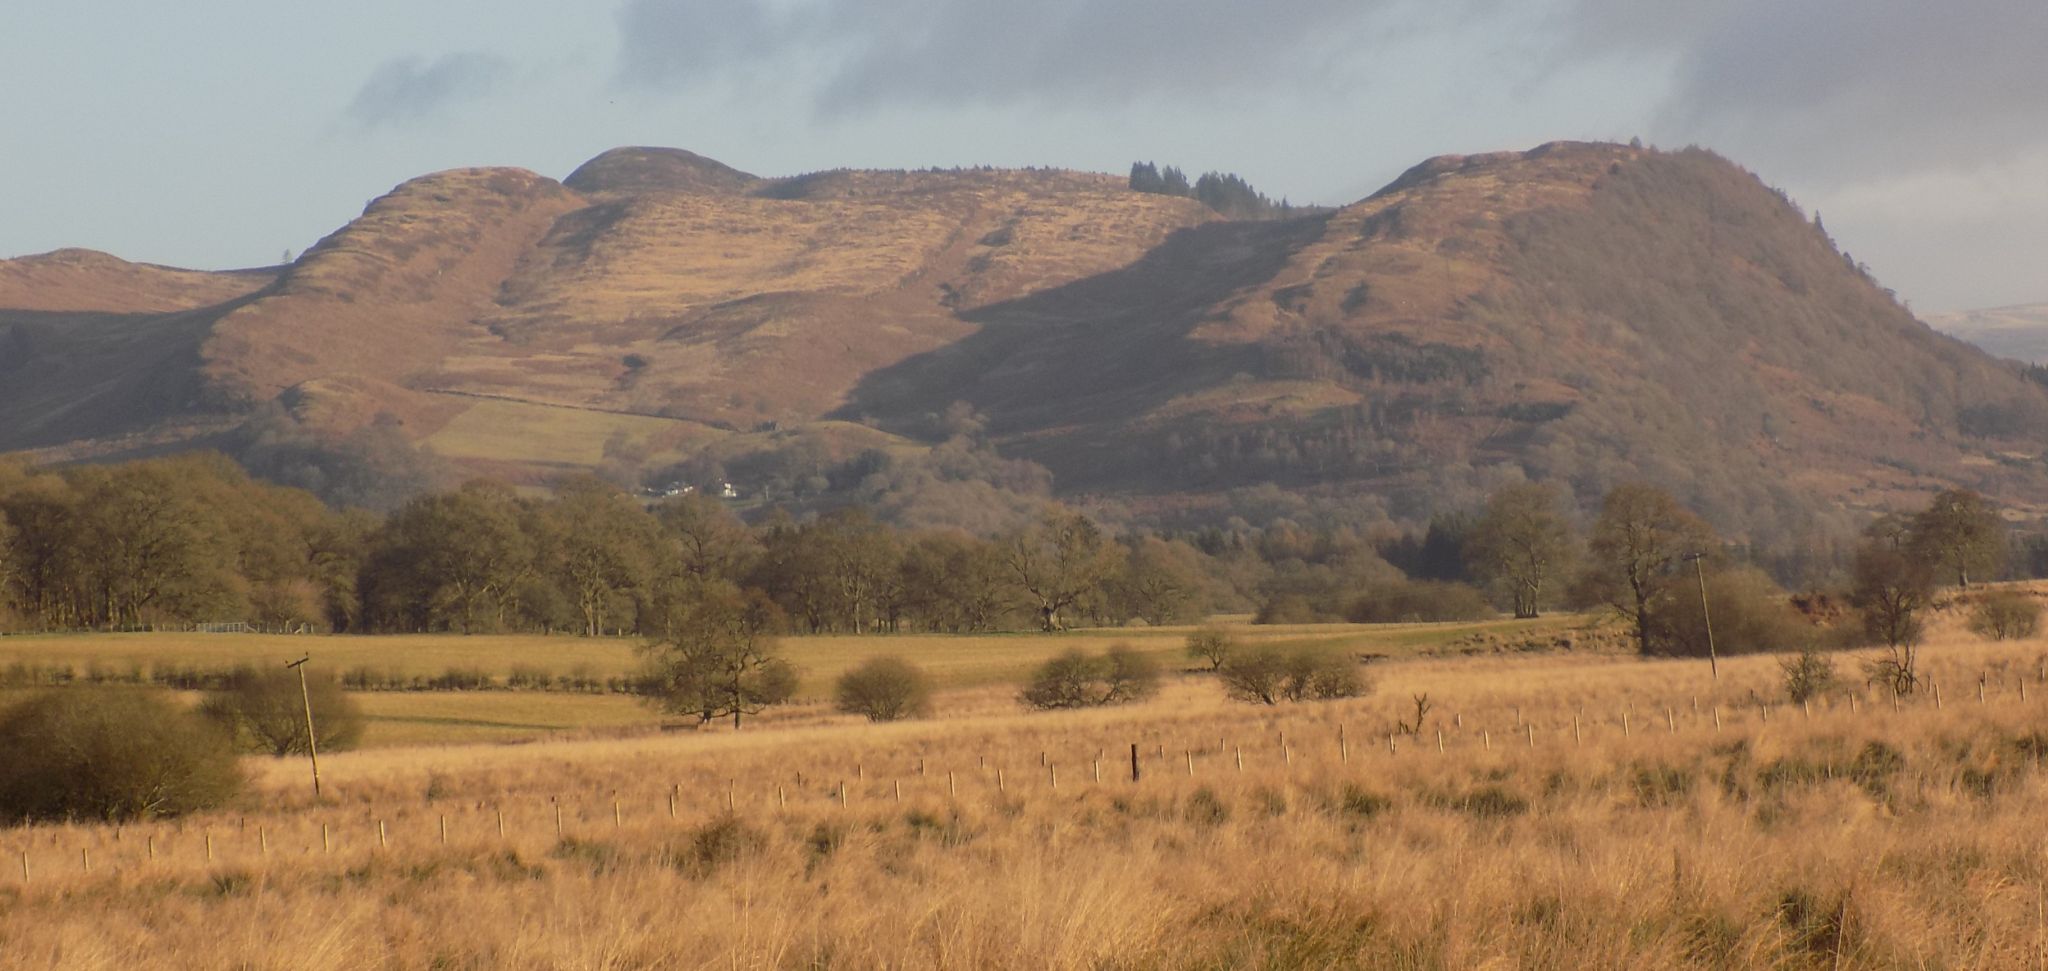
1134, 761
731, 795
326, 846
1624, 723
1000, 787
1717, 718
24, 866
2023, 690
1577, 739
1096, 767
1390, 745
312, 737
85, 859
897, 785
1671, 720
920, 767
1458, 719
1286, 754
149, 845
951, 789
1191, 762
1343, 748
209, 842
842, 795
1240, 758
1486, 739
381, 842
1806, 710
1937, 693
672, 802
1531, 729
1518, 716
618, 818
444, 829
263, 841
781, 797
558, 817
1439, 741
501, 822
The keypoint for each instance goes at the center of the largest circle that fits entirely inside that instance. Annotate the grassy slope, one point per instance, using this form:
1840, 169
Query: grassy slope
1719, 839
973, 664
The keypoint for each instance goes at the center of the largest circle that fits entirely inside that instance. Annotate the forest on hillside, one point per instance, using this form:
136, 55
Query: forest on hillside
193, 539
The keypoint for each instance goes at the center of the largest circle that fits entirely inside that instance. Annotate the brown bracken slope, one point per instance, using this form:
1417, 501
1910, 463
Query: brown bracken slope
1585, 313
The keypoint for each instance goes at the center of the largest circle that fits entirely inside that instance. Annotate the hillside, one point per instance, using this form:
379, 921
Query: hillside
2019, 333
1590, 313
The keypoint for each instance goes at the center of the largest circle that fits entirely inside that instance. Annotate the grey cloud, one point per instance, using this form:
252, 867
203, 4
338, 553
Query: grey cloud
1840, 86
411, 89
940, 51
1804, 85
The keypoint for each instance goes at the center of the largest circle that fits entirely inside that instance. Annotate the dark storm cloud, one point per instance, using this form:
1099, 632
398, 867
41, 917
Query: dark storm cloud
409, 89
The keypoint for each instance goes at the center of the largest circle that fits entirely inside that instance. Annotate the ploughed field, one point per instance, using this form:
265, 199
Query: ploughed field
1550, 810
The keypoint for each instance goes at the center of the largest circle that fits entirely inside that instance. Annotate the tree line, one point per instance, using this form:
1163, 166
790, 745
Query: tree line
193, 539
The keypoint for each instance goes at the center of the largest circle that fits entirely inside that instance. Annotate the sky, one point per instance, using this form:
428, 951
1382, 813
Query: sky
226, 133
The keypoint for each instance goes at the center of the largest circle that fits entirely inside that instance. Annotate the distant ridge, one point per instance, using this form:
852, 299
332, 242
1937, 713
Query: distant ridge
1583, 313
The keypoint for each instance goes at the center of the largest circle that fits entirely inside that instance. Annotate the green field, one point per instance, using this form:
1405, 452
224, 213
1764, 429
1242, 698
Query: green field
955, 662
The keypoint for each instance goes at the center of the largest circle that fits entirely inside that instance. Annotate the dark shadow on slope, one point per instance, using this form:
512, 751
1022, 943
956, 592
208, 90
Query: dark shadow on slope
70, 376
1091, 355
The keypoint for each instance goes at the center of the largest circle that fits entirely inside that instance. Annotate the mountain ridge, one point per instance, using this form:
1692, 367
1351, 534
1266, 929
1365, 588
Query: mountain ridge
1581, 312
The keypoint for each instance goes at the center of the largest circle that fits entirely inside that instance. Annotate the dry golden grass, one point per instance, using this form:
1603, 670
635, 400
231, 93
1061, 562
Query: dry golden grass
1862, 837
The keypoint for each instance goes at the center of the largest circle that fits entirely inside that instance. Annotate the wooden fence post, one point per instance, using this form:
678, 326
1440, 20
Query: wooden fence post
1134, 761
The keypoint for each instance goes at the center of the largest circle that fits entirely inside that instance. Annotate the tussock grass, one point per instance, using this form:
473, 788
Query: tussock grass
1788, 837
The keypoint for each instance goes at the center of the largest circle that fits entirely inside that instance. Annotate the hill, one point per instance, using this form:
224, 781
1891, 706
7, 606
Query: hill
1587, 313
2019, 333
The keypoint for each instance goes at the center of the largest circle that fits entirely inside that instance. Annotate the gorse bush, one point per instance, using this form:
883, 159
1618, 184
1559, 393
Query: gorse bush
1269, 676
2006, 615
265, 711
111, 754
1808, 675
1077, 679
885, 689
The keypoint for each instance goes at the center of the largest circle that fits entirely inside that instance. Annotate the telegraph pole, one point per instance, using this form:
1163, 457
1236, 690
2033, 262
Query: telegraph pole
312, 741
1700, 572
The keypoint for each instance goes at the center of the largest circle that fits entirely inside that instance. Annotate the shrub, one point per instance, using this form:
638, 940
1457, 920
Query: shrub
1750, 614
1419, 601
1267, 676
1288, 608
2006, 615
265, 711
1808, 674
111, 754
1077, 679
1212, 644
885, 689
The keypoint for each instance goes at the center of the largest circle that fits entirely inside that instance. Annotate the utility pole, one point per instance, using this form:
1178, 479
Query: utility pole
312, 740
1700, 572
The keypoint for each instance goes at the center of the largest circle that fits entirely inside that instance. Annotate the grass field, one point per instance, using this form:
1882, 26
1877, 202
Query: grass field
958, 664
1553, 811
